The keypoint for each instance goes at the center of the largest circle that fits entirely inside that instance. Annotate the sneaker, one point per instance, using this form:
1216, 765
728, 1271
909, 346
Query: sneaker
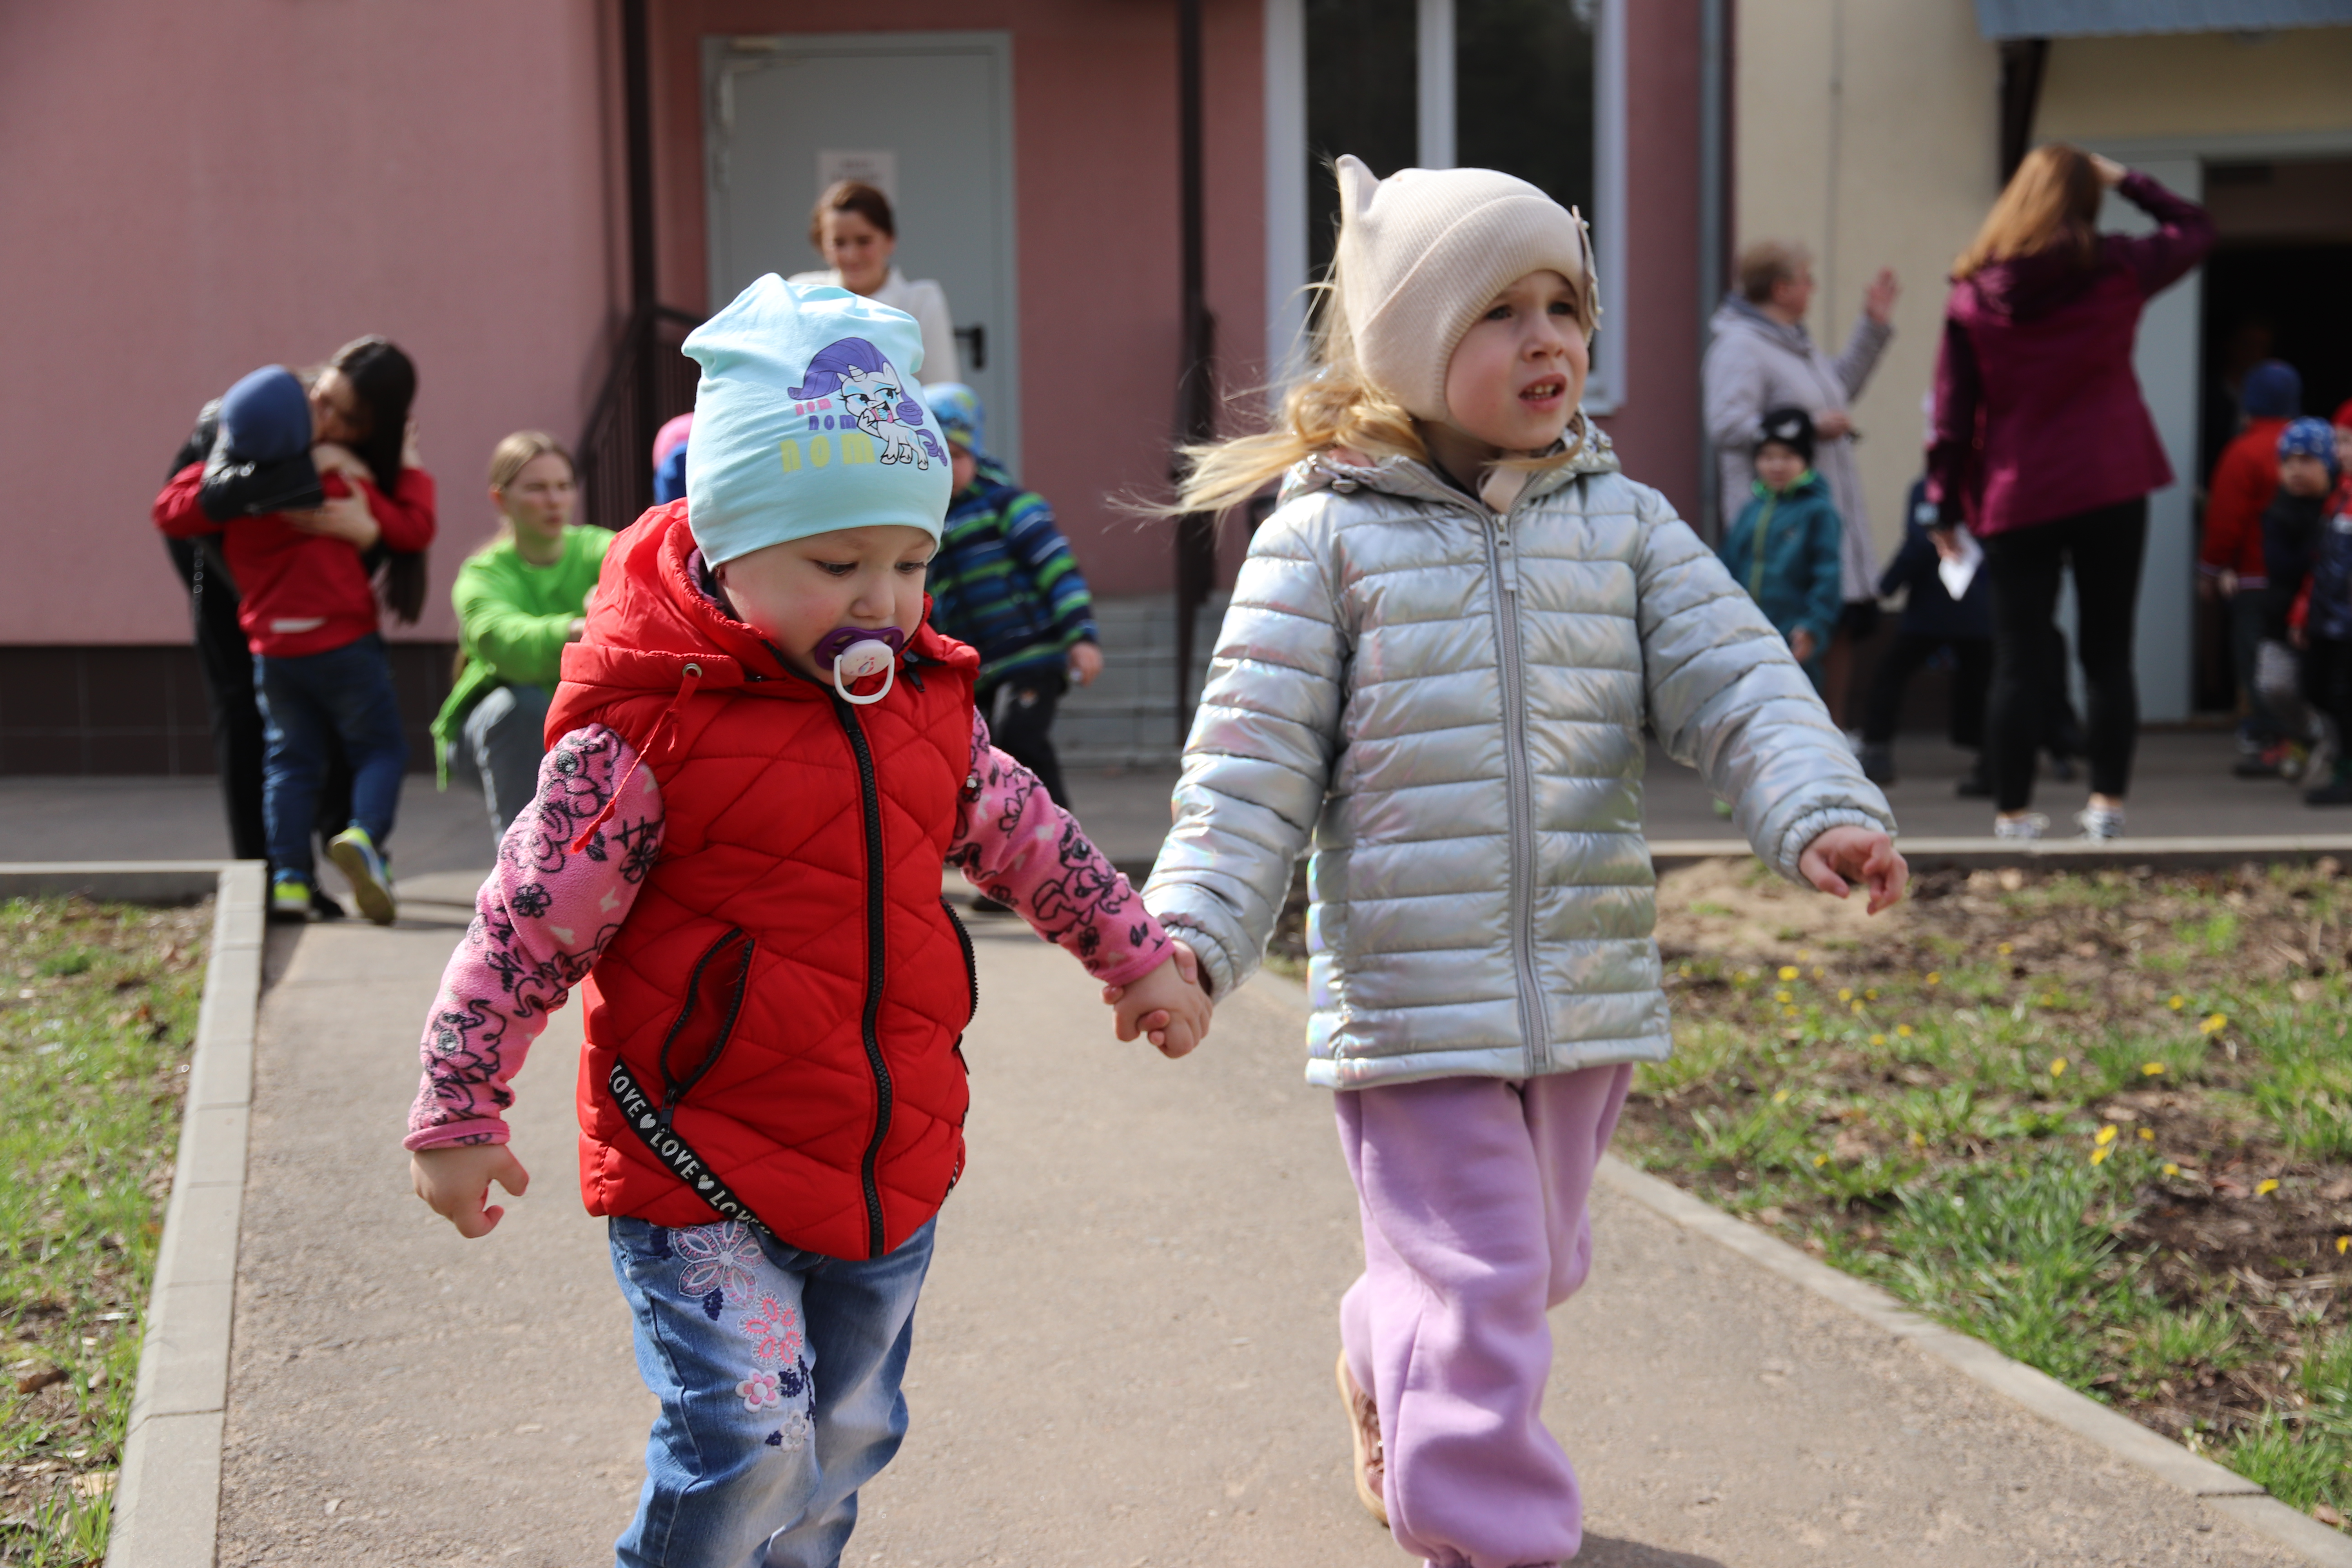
1364, 1430
289, 899
2336, 791
2279, 760
2033, 825
2100, 822
1878, 763
355, 854
2292, 766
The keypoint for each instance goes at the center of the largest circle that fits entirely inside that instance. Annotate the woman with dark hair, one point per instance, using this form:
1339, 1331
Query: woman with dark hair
301, 489
853, 227
2044, 449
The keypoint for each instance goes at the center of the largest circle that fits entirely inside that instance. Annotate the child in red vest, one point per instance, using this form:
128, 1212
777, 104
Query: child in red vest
764, 756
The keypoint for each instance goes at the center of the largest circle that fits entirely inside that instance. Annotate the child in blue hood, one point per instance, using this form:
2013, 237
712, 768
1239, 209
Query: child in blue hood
1784, 548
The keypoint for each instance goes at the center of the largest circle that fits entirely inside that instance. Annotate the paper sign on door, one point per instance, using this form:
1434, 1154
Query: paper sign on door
878, 168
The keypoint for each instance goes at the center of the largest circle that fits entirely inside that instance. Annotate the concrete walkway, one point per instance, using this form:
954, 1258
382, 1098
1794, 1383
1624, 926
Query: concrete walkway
1125, 1350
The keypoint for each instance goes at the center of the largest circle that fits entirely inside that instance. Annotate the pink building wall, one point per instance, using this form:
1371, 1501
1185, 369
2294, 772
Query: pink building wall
193, 190
1656, 428
1095, 152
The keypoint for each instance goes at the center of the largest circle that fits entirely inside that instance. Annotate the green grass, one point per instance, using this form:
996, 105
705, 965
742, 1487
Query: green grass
2102, 1122
98, 1008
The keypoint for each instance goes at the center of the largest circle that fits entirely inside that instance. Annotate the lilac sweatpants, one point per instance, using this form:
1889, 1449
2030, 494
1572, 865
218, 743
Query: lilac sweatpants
1473, 1192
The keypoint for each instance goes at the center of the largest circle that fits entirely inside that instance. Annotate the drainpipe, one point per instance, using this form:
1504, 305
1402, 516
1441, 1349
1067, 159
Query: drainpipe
1714, 59
1196, 412
637, 336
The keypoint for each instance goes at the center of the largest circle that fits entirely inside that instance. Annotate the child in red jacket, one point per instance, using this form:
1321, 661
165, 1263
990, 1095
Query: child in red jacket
302, 485
763, 755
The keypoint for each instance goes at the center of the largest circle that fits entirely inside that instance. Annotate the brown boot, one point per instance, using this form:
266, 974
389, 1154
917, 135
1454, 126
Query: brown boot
1364, 1427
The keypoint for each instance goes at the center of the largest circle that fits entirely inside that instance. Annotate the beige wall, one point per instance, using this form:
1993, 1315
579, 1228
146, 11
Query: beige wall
1865, 128
1868, 130
2196, 85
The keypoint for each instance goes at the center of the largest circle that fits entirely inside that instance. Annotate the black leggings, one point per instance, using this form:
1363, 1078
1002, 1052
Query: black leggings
1020, 715
2328, 684
2103, 548
1909, 654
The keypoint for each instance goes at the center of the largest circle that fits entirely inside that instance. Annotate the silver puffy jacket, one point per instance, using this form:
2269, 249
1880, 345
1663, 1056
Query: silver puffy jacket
1452, 703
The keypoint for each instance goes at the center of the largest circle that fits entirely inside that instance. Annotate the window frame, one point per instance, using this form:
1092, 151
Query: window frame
1285, 178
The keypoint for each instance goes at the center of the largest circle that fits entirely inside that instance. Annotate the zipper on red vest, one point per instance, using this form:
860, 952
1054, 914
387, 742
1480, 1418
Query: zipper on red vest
870, 799
689, 679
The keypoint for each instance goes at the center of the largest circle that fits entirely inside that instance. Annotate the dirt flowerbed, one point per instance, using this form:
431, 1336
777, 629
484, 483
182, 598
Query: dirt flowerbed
98, 1012
2101, 1121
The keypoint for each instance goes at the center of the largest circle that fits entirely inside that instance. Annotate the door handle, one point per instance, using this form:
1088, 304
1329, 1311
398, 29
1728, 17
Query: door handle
975, 341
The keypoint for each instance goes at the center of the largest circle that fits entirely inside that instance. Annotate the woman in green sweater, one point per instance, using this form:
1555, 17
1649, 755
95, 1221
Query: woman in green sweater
520, 599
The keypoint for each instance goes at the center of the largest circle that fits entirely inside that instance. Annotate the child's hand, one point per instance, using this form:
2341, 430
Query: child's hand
1801, 644
1839, 857
1168, 1005
456, 1183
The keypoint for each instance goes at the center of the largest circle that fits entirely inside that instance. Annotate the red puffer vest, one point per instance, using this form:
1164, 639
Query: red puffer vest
787, 994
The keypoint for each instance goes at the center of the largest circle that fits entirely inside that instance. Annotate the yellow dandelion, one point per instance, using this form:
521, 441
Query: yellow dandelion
2106, 1135
2343, 1245
1918, 1141
2058, 1067
2214, 1025
2005, 949
2152, 1070
1904, 1030
2170, 1169
1788, 971
2099, 1155
1871, 995
2147, 1135
1855, 1007
1780, 1097
1878, 1039
1783, 996
1788, 1012
2177, 1002
1934, 977
1819, 972
1820, 1160
1845, 994
2266, 1186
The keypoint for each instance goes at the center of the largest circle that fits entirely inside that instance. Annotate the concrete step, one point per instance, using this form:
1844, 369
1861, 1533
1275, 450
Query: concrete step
1128, 718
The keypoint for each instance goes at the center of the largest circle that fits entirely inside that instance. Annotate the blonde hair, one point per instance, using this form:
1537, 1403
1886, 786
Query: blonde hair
1768, 262
2051, 200
508, 458
1333, 406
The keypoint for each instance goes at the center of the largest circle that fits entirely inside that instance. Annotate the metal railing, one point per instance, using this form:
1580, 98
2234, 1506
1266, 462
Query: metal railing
649, 381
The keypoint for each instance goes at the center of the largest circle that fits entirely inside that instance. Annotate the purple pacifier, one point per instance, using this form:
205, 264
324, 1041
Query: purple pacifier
859, 653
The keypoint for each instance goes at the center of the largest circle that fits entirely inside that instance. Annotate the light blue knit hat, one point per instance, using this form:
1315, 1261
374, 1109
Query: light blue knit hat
806, 420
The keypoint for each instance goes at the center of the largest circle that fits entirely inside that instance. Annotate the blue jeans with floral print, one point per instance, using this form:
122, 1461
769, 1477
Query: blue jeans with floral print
779, 1373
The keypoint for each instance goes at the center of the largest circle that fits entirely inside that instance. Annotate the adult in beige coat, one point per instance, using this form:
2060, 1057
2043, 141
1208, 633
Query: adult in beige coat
1762, 357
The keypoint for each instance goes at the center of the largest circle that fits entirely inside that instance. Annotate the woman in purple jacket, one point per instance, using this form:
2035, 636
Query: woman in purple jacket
2045, 448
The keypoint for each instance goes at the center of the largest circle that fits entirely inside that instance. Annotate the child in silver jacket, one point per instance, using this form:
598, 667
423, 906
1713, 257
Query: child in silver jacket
1439, 662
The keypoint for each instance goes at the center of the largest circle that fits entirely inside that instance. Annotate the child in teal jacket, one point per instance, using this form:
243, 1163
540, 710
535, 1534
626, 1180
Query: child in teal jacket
1784, 548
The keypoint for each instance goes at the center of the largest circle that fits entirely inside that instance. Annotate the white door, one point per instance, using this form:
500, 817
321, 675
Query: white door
925, 116
2167, 358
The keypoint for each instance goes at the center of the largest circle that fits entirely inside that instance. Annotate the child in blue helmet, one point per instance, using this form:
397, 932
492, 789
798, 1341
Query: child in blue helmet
2307, 549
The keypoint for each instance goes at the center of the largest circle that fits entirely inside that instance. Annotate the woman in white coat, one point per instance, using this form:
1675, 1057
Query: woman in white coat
853, 228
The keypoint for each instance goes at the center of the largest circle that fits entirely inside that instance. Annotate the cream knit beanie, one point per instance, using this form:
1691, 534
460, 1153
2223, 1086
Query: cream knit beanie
1423, 252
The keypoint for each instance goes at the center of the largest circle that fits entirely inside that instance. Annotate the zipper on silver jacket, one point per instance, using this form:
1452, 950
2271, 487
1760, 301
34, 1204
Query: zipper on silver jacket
1516, 772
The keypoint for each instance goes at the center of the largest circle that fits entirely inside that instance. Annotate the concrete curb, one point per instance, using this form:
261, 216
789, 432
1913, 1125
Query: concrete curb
2222, 1490
2056, 853
167, 1494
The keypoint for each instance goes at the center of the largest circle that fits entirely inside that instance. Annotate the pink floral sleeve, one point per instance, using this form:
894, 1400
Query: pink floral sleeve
540, 921
1020, 848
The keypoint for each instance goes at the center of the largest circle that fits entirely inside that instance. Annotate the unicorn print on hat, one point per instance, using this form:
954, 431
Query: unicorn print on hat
874, 394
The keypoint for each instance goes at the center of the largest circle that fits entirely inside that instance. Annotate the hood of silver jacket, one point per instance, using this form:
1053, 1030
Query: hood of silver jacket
1450, 706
